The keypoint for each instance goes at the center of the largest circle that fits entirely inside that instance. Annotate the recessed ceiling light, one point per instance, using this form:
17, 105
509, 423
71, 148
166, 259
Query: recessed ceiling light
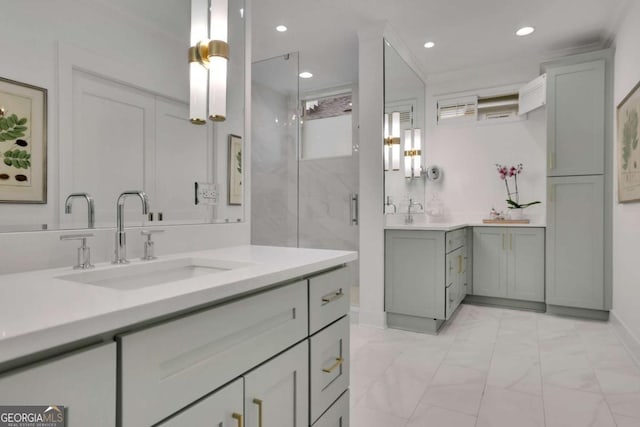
305, 75
281, 28
429, 45
525, 31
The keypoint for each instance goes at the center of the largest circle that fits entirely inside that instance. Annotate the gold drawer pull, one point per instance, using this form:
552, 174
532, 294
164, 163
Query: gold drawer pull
334, 296
259, 403
339, 361
238, 418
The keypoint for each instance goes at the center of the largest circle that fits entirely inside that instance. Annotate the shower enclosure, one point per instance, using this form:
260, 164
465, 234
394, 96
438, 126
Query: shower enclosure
304, 165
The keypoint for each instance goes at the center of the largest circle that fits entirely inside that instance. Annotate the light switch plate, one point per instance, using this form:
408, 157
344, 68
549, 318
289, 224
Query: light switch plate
206, 193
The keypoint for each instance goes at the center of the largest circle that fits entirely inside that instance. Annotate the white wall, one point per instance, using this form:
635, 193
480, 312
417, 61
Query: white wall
626, 217
467, 153
371, 245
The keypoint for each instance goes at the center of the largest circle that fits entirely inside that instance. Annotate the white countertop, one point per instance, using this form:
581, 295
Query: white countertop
39, 311
453, 225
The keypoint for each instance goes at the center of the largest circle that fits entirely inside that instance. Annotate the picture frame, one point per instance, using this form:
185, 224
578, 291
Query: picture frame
235, 188
628, 135
23, 143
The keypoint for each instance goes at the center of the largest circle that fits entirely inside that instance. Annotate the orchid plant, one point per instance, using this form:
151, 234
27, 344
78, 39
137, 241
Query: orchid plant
506, 172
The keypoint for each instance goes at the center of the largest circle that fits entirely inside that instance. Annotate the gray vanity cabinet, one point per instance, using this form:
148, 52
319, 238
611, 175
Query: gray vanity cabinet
84, 382
576, 119
222, 408
575, 242
509, 263
414, 273
277, 393
425, 277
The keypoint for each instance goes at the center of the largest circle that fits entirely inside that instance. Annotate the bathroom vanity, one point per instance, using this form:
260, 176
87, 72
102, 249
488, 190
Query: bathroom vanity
246, 336
431, 268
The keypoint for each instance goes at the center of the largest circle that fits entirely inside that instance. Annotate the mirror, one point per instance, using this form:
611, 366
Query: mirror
116, 77
404, 107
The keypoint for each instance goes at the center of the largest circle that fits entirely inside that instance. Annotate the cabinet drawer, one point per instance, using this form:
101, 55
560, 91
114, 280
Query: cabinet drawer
329, 366
222, 408
455, 239
173, 364
337, 415
329, 297
452, 299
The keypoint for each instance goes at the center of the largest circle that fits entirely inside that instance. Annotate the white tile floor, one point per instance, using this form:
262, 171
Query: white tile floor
494, 367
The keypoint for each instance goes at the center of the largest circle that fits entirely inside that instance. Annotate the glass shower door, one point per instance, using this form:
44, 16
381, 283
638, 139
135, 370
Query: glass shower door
304, 177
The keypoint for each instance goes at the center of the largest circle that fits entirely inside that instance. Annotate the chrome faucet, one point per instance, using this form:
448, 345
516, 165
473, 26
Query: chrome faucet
121, 237
409, 218
91, 221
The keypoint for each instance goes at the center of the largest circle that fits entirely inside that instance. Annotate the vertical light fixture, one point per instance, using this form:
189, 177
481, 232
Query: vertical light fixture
198, 61
208, 59
392, 141
218, 60
412, 153
387, 147
395, 140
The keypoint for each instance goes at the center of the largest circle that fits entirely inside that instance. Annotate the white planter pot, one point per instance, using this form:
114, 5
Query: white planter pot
516, 213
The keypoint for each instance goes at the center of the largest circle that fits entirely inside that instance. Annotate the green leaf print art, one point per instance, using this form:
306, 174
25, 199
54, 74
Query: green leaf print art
629, 136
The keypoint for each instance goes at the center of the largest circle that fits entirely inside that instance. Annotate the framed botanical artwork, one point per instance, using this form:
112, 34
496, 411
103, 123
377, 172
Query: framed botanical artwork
234, 177
23, 143
628, 132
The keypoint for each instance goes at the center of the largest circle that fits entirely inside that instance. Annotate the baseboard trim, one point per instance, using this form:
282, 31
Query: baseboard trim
539, 307
376, 319
583, 313
354, 313
628, 338
414, 323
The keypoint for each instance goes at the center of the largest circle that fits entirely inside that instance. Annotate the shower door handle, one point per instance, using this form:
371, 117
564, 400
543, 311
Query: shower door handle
354, 208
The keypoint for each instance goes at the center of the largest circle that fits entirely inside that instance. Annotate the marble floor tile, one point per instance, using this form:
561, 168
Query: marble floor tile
397, 392
456, 388
572, 408
506, 408
494, 367
517, 345
623, 421
627, 404
421, 361
362, 416
476, 355
572, 371
434, 416
516, 374
616, 380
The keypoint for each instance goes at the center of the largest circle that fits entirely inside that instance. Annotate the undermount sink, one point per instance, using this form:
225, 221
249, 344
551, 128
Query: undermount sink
137, 276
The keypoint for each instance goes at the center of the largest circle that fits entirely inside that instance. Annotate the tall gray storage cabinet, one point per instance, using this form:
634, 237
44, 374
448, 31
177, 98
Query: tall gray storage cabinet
579, 169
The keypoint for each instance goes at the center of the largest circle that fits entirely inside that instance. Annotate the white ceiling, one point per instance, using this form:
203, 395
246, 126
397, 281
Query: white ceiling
467, 33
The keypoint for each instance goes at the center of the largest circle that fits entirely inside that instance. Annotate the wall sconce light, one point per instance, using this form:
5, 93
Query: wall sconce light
412, 153
208, 60
392, 141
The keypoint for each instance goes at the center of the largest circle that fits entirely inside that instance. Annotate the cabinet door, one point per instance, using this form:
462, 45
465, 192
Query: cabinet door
576, 119
83, 382
575, 254
277, 393
414, 277
525, 264
489, 261
222, 408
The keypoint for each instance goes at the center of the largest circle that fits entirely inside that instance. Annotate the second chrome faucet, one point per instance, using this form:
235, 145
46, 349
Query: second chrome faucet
121, 237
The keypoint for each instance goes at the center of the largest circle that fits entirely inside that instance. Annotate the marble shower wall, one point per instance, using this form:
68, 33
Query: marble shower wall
274, 168
326, 186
